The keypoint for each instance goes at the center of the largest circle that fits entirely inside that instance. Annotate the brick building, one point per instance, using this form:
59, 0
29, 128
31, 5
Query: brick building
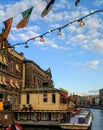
35, 77
21, 82
11, 74
17, 73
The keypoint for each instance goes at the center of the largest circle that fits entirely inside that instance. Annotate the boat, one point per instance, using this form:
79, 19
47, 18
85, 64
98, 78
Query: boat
79, 121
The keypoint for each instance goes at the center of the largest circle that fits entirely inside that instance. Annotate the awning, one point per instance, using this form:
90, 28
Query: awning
5, 83
64, 94
17, 86
12, 85
1, 82
17, 68
5, 61
1, 59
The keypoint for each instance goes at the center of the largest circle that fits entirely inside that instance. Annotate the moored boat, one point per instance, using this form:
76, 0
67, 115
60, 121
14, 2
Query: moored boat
80, 121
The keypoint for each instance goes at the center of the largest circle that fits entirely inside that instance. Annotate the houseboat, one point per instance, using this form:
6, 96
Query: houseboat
80, 121
43, 106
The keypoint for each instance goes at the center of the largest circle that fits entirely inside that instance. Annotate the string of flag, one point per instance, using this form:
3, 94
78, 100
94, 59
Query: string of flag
26, 16
8, 23
80, 20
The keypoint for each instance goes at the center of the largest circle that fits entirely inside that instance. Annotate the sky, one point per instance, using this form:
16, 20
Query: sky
76, 57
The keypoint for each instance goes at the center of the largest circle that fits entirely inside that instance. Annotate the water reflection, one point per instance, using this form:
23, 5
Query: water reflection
97, 119
41, 128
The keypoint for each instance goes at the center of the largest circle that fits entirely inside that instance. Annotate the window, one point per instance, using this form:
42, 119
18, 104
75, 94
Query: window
63, 100
44, 116
45, 98
1, 96
11, 65
15, 100
34, 79
53, 98
27, 99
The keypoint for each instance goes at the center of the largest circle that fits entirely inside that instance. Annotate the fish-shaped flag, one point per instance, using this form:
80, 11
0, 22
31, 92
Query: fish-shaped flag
76, 2
48, 7
18, 126
8, 24
26, 15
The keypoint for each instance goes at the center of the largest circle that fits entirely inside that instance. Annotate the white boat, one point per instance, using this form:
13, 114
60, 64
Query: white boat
80, 121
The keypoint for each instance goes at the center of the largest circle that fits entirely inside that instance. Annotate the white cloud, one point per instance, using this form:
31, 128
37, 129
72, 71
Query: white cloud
92, 64
2, 14
12, 37
1, 7
80, 37
98, 45
23, 37
93, 23
98, 3
85, 65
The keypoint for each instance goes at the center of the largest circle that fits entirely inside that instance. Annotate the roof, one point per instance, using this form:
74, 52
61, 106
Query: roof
48, 71
40, 90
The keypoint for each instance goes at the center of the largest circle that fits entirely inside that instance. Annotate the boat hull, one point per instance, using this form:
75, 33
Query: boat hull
75, 126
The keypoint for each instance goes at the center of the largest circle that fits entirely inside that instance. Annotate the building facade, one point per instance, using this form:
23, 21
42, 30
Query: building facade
101, 97
35, 77
40, 101
28, 90
11, 75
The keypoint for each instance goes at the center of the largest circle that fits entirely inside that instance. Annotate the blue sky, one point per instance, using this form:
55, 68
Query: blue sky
76, 57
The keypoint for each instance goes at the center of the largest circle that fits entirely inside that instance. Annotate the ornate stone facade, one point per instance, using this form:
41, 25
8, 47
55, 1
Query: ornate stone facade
17, 73
11, 75
35, 77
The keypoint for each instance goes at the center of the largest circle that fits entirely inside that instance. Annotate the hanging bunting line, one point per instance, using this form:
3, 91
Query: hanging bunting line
26, 15
8, 23
45, 11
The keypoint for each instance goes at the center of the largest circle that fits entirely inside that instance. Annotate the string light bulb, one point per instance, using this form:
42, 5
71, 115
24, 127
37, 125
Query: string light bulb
81, 23
49, 31
42, 39
92, 11
59, 32
26, 45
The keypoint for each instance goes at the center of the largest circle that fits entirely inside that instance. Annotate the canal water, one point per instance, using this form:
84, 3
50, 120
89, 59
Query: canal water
97, 119
97, 123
